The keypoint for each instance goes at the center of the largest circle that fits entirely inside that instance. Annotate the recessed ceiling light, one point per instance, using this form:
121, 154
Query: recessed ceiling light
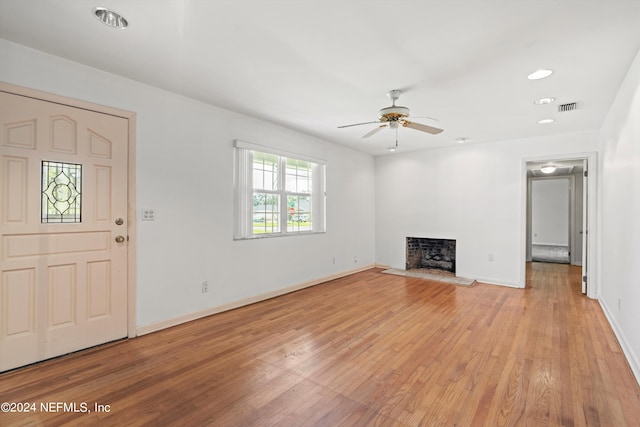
110, 18
392, 148
545, 121
543, 101
461, 140
539, 74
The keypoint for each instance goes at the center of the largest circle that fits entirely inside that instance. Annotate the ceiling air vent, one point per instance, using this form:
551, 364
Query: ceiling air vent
567, 107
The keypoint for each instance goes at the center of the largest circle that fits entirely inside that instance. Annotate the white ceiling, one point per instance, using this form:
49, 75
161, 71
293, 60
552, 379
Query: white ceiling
315, 65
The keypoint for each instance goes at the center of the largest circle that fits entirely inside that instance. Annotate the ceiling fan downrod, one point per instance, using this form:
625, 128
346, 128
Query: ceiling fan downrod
394, 95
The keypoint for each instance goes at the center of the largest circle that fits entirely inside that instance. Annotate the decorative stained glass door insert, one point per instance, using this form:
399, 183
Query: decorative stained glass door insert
61, 192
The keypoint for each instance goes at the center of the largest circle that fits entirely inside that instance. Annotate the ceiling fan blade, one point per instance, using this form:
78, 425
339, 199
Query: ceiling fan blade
358, 124
425, 117
378, 129
421, 127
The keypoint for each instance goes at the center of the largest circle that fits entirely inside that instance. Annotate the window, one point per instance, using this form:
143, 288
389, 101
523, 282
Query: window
61, 192
277, 193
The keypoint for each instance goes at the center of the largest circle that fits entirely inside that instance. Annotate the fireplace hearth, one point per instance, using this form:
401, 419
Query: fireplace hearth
431, 254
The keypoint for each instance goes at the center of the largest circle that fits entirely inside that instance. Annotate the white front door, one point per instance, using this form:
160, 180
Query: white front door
63, 229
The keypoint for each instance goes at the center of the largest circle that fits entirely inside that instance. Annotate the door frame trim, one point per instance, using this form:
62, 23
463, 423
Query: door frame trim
593, 289
131, 184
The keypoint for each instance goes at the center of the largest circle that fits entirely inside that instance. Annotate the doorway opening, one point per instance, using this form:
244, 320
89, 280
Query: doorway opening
559, 210
553, 203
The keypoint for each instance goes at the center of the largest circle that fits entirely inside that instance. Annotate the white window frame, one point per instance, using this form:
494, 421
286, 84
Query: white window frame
243, 191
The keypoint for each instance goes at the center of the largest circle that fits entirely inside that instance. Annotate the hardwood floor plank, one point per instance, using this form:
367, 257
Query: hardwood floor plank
365, 350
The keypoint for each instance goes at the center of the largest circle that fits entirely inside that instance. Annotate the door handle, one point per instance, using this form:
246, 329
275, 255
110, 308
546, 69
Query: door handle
119, 239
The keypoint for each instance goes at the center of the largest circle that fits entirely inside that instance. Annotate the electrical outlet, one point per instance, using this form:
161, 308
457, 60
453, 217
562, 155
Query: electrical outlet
490, 257
334, 260
205, 286
619, 304
355, 259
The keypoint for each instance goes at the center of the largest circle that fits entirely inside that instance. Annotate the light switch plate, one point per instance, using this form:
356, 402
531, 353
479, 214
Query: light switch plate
148, 214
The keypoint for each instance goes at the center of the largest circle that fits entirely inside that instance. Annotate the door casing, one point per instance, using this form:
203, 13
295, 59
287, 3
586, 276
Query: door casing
131, 190
589, 262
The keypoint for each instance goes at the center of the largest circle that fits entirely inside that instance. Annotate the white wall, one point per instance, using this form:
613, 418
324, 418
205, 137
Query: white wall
620, 216
550, 211
474, 193
184, 171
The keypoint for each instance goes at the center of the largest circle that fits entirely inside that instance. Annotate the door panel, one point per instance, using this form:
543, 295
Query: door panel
64, 277
19, 343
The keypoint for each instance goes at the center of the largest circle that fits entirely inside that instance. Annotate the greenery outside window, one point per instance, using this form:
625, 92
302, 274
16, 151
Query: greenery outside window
277, 193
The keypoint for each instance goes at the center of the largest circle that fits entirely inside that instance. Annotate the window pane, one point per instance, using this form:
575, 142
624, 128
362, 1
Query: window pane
61, 192
265, 171
266, 215
299, 213
298, 176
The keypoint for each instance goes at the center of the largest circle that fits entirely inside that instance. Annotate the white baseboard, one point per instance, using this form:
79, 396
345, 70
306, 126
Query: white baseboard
626, 349
497, 282
163, 324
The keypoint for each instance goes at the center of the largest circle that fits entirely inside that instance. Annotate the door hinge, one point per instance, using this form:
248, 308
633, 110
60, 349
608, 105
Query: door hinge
584, 279
586, 174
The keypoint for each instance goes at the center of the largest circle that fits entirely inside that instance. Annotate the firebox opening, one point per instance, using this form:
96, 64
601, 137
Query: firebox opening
431, 254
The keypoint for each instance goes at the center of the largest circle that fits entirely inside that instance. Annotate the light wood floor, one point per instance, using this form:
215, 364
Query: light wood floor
368, 349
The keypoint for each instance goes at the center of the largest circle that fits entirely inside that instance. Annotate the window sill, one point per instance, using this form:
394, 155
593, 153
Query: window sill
270, 236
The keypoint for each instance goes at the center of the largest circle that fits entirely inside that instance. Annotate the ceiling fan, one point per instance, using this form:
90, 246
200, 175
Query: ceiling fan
395, 116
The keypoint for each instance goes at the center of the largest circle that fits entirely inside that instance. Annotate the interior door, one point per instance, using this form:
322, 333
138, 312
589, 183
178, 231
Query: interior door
585, 225
63, 248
